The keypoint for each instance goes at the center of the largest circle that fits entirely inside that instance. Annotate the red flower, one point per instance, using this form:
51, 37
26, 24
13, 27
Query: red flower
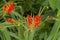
11, 21
8, 7
37, 21
11, 8
8, 20
29, 19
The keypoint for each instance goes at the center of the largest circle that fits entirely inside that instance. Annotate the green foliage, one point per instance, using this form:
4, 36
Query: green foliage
49, 28
55, 4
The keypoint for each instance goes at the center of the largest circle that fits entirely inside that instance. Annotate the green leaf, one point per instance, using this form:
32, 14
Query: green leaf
54, 29
13, 35
52, 4
6, 34
58, 4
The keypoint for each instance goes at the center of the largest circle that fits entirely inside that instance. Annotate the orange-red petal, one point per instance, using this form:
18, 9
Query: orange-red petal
11, 21
29, 19
11, 8
37, 21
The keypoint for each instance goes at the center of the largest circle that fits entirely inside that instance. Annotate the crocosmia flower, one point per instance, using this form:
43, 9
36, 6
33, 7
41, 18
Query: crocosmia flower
37, 21
11, 8
12, 21
29, 19
8, 7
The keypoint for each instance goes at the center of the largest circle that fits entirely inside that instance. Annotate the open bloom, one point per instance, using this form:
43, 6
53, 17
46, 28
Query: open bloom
8, 7
11, 8
37, 20
29, 19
